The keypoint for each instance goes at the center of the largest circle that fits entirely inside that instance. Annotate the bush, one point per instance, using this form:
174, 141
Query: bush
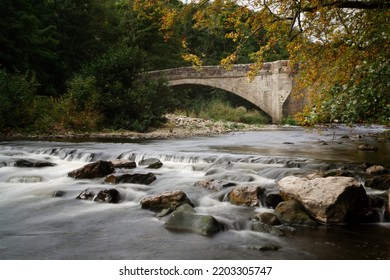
112, 91
16, 96
364, 98
81, 104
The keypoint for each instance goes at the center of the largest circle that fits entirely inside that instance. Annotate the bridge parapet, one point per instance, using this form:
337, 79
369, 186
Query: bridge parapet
238, 70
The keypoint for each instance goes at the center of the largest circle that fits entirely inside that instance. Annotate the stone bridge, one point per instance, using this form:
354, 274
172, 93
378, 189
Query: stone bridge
269, 90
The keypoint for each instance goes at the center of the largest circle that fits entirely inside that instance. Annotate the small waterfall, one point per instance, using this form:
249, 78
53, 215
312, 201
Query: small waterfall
68, 154
164, 157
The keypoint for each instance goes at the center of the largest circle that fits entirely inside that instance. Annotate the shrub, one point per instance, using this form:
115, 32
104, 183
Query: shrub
364, 98
113, 92
16, 96
81, 104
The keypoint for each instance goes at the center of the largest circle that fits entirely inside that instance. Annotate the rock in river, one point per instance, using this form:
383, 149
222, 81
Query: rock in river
213, 184
245, 195
33, 163
267, 218
93, 170
260, 227
144, 179
331, 200
185, 218
166, 200
379, 182
291, 212
153, 163
123, 163
107, 196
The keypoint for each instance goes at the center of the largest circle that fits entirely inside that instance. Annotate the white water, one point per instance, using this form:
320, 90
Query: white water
36, 225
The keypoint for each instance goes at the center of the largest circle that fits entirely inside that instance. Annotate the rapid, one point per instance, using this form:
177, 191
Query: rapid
37, 224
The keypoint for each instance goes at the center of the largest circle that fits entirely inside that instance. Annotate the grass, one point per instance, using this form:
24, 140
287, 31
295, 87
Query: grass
220, 110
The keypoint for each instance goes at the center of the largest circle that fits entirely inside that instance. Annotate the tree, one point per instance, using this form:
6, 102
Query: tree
340, 46
114, 90
28, 40
55, 38
148, 25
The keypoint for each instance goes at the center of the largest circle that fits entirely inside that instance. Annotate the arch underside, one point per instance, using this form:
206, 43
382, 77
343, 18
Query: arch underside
232, 87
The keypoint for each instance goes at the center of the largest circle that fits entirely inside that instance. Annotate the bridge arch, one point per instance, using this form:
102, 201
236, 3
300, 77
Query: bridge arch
223, 86
268, 90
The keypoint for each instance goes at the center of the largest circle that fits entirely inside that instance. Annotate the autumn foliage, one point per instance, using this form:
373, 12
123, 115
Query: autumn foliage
341, 49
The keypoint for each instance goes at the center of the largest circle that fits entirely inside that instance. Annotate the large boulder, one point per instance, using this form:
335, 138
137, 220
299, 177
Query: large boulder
185, 218
246, 195
331, 200
144, 179
93, 170
291, 212
166, 200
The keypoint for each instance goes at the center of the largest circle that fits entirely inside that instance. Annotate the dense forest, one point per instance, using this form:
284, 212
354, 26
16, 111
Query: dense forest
80, 64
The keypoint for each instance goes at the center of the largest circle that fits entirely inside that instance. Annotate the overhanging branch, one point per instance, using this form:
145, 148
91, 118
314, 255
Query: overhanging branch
350, 4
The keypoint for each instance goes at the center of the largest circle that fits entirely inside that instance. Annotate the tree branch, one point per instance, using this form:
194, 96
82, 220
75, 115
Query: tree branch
350, 4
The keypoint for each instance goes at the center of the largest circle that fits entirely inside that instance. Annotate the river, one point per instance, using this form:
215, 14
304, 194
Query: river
34, 224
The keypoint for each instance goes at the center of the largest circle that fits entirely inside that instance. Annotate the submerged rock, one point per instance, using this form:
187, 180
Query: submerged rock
380, 182
144, 179
93, 170
153, 163
246, 195
366, 147
261, 227
213, 184
337, 172
331, 200
376, 169
269, 248
59, 193
267, 218
26, 179
185, 218
33, 163
291, 212
105, 195
166, 200
123, 163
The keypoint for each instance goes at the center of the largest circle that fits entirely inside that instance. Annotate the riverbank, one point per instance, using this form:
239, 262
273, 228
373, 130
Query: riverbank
177, 126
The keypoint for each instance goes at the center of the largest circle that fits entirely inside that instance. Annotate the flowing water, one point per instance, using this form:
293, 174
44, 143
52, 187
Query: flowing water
34, 224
